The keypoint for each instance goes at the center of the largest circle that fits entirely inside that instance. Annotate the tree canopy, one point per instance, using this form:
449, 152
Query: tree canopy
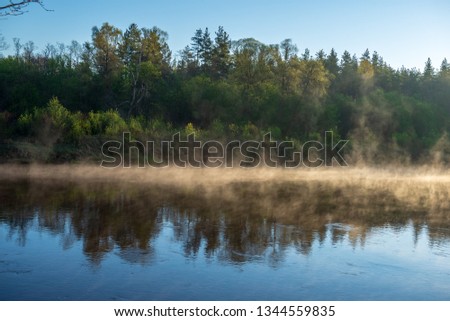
131, 78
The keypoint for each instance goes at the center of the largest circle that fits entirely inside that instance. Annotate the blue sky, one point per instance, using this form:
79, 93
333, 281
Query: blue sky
403, 32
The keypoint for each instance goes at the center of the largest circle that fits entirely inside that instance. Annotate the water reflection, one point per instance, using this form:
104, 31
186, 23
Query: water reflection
237, 223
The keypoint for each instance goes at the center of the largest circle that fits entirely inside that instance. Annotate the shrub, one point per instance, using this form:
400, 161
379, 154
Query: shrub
106, 123
250, 131
190, 129
137, 124
48, 124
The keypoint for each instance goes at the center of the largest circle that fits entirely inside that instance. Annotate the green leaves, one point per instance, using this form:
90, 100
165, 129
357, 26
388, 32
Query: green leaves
129, 81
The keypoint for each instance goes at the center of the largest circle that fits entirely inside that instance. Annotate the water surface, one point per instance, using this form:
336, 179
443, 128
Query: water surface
66, 239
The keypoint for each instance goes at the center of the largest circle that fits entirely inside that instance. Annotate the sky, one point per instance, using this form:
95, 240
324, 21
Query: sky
403, 32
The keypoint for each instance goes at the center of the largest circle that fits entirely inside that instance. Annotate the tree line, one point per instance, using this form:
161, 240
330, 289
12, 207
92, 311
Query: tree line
122, 80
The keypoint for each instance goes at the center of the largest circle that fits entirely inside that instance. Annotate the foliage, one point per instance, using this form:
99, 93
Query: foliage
106, 123
220, 89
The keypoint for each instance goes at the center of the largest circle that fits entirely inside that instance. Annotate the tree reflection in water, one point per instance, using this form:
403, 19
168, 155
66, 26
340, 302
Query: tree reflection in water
237, 222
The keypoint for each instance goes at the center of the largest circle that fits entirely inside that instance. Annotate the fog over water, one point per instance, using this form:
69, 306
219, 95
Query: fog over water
69, 232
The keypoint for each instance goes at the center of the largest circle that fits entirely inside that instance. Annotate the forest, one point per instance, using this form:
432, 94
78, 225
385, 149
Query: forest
60, 103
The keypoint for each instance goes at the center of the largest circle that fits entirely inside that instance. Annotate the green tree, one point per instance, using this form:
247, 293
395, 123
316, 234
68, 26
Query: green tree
288, 49
313, 80
245, 57
107, 62
155, 48
348, 78
221, 58
187, 63
445, 68
206, 54
428, 71
131, 53
106, 44
332, 63
197, 45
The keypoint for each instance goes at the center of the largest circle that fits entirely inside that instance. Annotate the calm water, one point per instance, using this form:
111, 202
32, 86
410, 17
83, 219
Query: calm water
101, 241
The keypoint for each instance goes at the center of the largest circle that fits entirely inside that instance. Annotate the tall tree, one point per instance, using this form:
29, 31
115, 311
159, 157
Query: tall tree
49, 51
245, 58
206, 51
286, 65
313, 80
306, 54
155, 48
210, 57
107, 61
320, 55
87, 56
187, 63
106, 43
130, 49
365, 68
332, 63
28, 51
428, 71
348, 78
377, 61
74, 53
131, 53
445, 66
366, 55
288, 49
196, 45
17, 48
221, 58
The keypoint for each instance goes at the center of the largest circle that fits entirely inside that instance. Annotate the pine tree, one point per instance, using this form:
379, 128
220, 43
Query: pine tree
155, 49
131, 52
306, 55
331, 63
187, 64
206, 51
221, 58
196, 45
445, 67
320, 55
376, 60
131, 47
428, 71
366, 55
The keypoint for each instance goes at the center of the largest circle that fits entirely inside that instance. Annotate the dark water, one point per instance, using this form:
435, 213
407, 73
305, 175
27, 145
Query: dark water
101, 241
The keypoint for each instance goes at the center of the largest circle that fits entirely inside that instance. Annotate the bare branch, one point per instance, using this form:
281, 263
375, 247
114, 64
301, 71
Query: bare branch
16, 8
